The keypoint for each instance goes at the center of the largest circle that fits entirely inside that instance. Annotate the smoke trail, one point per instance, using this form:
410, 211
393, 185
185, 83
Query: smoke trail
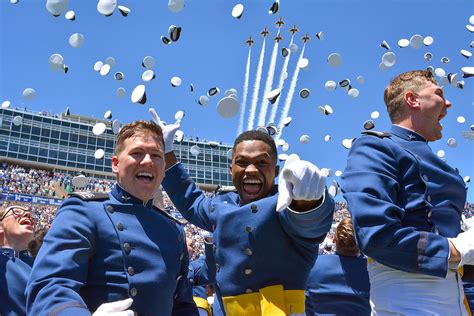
268, 86
256, 87
245, 93
280, 84
289, 96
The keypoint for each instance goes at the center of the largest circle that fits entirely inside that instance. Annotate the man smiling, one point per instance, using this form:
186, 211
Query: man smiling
116, 249
266, 237
406, 205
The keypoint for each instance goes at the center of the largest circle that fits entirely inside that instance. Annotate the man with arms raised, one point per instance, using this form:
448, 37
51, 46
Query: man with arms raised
116, 248
266, 237
406, 205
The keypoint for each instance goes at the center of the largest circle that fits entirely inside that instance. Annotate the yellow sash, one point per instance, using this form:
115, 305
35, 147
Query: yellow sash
203, 303
271, 300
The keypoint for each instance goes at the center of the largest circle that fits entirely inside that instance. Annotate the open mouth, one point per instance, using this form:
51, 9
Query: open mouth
146, 176
252, 186
27, 221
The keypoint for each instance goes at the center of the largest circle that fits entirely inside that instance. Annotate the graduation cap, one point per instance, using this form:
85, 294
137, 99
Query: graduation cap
237, 11
56, 7
139, 94
70, 15
174, 32
106, 7
123, 10
29, 94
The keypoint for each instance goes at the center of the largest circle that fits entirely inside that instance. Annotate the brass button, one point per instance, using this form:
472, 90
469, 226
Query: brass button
428, 198
248, 271
133, 292
248, 229
253, 207
248, 251
109, 208
191, 280
248, 291
120, 226
127, 247
180, 237
178, 277
212, 208
131, 270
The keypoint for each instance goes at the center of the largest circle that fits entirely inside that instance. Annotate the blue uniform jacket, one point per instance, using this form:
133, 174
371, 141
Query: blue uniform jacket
404, 201
338, 285
201, 273
255, 245
15, 271
469, 292
104, 250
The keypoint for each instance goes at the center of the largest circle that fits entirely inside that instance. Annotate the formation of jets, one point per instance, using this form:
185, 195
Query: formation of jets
278, 38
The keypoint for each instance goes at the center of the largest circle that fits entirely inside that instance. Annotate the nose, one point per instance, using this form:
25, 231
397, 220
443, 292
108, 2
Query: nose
448, 104
251, 169
147, 159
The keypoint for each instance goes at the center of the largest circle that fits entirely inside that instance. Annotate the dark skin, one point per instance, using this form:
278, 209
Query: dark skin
253, 160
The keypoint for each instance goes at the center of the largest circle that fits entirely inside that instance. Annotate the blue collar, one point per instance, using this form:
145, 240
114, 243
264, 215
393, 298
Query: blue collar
123, 196
10, 252
407, 134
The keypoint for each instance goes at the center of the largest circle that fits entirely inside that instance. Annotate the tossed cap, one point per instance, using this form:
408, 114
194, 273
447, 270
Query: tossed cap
148, 62
327, 138
178, 116
416, 41
194, 150
273, 95
228, 107
98, 128
70, 15
139, 94
213, 91
293, 48
98, 65
282, 157
17, 120
6, 104
347, 142
176, 81
108, 115
304, 93
106, 7
441, 153
467, 72
461, 119
402, 43
304, 139
174, 32
56, 7
374, 115
203, 100
56, 62
99, 154
353, 92
123, 10
175, 5
104, 70
445, 60
440, 72
303, 63
237, 11
360, 79
179, 136
385, 45
165, 40
452, 142
369, 124
466, 53
428, 56
148, 75
330, 85
389, 59
119, 76
287, 120
428, 40
29, 94
285, 52
110, 61
116, 127
275, 7
120, 92
335, 59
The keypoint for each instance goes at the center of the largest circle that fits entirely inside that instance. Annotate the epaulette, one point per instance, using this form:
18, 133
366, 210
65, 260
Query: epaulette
168, 215
377, 133
90, 196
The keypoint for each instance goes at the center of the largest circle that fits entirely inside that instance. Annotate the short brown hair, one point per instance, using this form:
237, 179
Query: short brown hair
345, 240
414, 80
134, 128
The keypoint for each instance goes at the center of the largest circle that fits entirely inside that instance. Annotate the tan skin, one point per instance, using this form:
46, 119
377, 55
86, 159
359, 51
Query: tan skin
253, 161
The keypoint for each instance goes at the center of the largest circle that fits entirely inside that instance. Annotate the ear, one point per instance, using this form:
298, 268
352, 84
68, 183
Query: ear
277, 170
230, 169
115, 163
411, 99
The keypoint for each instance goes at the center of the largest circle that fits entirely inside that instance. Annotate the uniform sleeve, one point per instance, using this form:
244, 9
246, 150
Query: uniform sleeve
183, 304
60, 269
204, 268
310, 226
370, 184
187, 197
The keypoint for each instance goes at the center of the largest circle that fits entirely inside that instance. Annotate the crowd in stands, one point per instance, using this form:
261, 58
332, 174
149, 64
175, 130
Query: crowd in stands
17, 179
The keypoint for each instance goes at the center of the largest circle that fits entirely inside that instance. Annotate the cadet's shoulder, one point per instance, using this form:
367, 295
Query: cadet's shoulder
178, 221
89, 196
377, 134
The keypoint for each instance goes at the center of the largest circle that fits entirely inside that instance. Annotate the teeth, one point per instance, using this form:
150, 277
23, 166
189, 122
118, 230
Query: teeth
252, 181
145, 174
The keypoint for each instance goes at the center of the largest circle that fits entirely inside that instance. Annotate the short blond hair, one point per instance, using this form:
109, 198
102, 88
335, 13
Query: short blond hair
135, 128
414, 81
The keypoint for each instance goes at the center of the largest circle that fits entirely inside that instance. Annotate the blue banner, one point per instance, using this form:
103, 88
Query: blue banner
30, 199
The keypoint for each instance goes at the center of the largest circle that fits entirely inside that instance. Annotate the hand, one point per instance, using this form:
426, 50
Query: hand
299, 180
464, 243
117, 308
169, 131
207, 237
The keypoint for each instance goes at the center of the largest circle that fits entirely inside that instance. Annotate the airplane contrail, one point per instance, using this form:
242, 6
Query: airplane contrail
256, 87
280, 84
268, 86
289, 96
245, 93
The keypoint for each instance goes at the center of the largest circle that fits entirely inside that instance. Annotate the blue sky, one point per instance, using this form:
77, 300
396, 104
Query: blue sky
212, 52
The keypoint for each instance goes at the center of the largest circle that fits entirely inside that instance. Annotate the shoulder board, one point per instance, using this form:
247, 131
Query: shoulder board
377, 133
90, 196
168, 215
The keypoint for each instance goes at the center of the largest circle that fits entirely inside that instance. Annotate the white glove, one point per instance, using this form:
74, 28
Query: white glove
464, 243
169, 131
299, 180
118, 308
